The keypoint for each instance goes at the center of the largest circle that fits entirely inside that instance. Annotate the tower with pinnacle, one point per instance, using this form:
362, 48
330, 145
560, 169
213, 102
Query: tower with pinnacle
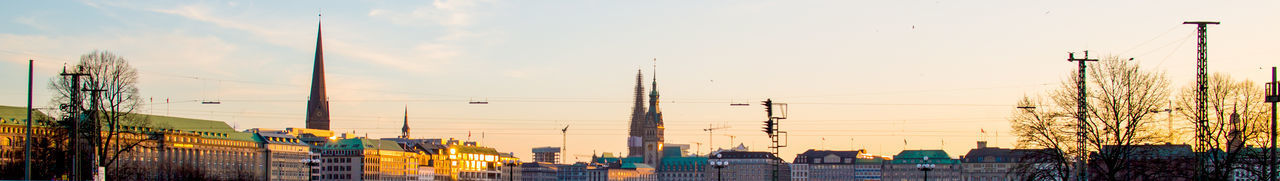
653, 140
635, 140
318, 102
646, 134
404, 131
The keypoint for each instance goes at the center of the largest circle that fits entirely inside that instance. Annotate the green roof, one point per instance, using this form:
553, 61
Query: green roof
362, 143
917, 156
18, 115
672, 151
635, 165
205, 128
680, 161
199, 126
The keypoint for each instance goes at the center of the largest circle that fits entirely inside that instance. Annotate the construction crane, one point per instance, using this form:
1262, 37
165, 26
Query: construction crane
564, 142
711, 129
698, 149
731, 138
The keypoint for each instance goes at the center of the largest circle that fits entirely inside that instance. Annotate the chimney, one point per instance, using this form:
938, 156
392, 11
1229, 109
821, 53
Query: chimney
982, 144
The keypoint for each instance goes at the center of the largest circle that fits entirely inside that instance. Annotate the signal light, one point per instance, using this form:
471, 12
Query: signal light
768, 126
768, 107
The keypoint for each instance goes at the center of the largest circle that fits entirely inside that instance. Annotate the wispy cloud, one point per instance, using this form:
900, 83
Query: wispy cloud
204, 13
369, 51
446, 13
454, 16
148, 50
31, 21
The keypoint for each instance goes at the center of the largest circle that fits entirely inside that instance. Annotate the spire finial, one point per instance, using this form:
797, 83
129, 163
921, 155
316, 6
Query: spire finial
655, 69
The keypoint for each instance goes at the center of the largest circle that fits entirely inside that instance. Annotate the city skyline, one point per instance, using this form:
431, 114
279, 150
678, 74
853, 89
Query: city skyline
845, 74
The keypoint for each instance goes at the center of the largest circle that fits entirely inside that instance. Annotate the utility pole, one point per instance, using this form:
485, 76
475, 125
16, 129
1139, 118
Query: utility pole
1202, 95
26, 161
95, 131
1082, 114
73, 108
1273, 96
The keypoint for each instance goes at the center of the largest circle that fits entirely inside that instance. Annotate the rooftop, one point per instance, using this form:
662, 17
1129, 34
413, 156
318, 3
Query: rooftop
363, 143
744, 155
918, 156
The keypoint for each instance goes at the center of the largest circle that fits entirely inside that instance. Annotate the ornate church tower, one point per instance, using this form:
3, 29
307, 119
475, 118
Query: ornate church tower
653, 140
318, 102
635, 140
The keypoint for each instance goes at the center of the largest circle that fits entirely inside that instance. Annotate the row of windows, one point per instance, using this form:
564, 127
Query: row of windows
337, 176
24, 130
337, 168
337, 160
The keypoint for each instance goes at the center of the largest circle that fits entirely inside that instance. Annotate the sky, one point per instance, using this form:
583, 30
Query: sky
877, 75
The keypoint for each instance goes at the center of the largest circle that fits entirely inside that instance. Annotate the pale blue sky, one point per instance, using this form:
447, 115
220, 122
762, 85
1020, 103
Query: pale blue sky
876, 72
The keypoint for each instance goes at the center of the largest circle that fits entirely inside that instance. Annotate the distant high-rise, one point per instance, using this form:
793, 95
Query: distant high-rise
635, 142
318, 102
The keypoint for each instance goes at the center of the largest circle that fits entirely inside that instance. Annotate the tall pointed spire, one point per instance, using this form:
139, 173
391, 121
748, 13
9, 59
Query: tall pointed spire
635, 140
404, 131
655, 137
318, 102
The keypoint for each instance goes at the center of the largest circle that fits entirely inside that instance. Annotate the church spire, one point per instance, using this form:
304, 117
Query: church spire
404, 131
655, 114
655, 137
638, 121
318, 102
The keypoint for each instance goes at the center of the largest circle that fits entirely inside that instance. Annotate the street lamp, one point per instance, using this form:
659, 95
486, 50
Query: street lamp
719, 164
925, 167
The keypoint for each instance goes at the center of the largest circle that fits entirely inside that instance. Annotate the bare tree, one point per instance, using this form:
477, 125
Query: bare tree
1120, 95
1121, 98
1046, 132
1237, 118
114, 104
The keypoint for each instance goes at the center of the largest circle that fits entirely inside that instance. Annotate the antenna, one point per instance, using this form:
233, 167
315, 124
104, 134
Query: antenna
655, 69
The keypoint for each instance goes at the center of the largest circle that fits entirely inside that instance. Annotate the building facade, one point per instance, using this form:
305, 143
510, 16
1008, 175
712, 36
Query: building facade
538, 171
467, 161
826, 165
748, 165
683, 169
286, 156
906, 166
799, 172
992, 163
546, 154
366, 159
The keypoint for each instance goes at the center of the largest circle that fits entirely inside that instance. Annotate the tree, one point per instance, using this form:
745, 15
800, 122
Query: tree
115, 99
1237, 117
1044, 130
1120, 98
